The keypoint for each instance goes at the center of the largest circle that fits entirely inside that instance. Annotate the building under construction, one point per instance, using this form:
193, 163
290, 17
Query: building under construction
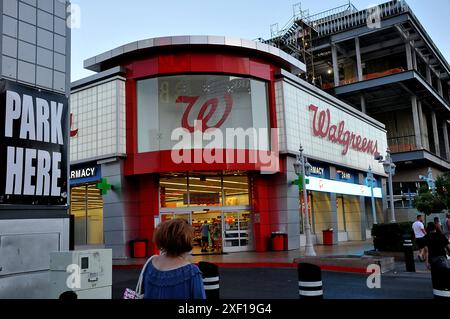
382, 61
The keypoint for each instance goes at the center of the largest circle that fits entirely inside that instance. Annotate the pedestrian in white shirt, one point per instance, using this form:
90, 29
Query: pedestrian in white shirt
420, 233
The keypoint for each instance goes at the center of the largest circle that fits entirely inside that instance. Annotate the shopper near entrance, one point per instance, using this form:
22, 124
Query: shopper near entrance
171, 275
205, 236
436, 244
216, 237
420, 233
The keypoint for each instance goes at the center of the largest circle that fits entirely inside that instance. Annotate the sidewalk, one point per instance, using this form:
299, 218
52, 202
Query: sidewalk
266, 259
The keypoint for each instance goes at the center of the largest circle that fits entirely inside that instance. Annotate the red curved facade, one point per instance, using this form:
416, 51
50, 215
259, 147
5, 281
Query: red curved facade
142, 164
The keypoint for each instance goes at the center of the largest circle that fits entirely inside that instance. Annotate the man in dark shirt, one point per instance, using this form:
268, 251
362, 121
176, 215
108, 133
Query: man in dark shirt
436, 244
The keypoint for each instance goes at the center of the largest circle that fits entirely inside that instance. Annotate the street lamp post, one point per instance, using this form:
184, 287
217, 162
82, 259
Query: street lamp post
429, 180
302, 170
389, 169
370, 181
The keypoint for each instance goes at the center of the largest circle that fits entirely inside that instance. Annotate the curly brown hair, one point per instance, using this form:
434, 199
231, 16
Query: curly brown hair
174, 237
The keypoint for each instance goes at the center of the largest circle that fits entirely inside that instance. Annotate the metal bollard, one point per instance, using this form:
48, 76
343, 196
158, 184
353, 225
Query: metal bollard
309, 281
409, 254
210, 280
441, 283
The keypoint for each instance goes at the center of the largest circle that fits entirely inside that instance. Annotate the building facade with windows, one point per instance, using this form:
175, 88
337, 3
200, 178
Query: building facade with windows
34, 121
382, 61
207, 129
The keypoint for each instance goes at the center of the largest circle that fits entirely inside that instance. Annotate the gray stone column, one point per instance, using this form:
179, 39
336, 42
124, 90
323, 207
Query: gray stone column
416, 120
335, 64
446, 141
363, 104
409, 57
428, 70
423, 127
284, 205
358, 60
435, 133
414, 58
440, 90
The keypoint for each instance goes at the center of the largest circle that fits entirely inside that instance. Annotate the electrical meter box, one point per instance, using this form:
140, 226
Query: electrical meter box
86, 273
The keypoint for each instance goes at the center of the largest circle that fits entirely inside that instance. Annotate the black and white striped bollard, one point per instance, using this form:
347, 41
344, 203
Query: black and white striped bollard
441, 283
210, 280
309, 281
409, 254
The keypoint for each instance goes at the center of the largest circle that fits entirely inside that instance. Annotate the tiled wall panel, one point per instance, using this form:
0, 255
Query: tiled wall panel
35, 43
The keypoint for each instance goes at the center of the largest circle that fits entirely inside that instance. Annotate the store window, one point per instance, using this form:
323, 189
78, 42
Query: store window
173, 190
236, 190
87, 207
165, 104
204, 189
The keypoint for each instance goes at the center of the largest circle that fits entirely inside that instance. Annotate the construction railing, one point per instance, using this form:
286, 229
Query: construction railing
369, 76
350, 18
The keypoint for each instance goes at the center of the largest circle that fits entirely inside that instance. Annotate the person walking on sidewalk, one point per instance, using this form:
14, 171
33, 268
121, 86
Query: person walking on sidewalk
419, 232
172, 275
436, 243
446, 227
446, 231
438, 224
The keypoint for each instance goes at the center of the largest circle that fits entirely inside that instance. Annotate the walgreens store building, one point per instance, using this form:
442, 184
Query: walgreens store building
208, 128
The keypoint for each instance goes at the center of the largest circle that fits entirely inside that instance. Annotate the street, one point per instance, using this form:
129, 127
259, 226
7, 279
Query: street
281, 283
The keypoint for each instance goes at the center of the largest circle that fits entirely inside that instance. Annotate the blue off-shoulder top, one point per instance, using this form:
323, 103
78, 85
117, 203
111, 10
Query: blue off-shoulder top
183, 283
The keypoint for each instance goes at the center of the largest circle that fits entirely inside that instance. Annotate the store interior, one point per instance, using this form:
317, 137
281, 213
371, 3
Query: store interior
220, 199
87, 206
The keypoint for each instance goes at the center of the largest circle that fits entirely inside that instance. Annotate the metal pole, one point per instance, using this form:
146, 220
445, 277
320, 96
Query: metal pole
370, 181
391, 188
309, 249
373, 205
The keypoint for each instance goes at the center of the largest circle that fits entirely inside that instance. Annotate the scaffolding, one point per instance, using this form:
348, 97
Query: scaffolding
297, 36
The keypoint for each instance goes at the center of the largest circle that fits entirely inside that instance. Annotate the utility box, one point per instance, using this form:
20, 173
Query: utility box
87, 273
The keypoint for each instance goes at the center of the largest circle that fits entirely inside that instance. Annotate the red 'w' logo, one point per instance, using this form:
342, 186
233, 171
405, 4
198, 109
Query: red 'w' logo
74, 132
206, 113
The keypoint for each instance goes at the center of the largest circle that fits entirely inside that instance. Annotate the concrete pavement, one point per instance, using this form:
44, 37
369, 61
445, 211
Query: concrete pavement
356, 248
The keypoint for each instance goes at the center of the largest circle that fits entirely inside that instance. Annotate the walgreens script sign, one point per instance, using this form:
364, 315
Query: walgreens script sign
337, 133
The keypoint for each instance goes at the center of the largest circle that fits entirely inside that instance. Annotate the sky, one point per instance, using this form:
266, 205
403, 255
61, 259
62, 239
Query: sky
107, 24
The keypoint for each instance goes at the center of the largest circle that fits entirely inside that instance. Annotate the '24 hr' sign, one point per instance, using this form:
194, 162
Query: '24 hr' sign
33, 146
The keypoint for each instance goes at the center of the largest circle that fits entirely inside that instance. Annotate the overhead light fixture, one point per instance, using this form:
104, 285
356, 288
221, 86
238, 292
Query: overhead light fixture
330, 71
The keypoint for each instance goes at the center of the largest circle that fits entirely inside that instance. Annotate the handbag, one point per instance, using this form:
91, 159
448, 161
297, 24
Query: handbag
137, 293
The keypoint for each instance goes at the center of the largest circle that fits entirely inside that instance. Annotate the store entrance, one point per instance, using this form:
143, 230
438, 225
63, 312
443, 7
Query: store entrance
217, 231
217, 204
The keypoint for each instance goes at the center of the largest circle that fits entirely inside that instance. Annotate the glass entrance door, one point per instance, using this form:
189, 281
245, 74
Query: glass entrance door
237, 231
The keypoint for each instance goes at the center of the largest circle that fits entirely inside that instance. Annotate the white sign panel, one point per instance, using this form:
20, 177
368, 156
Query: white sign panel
328, 131
329, 186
